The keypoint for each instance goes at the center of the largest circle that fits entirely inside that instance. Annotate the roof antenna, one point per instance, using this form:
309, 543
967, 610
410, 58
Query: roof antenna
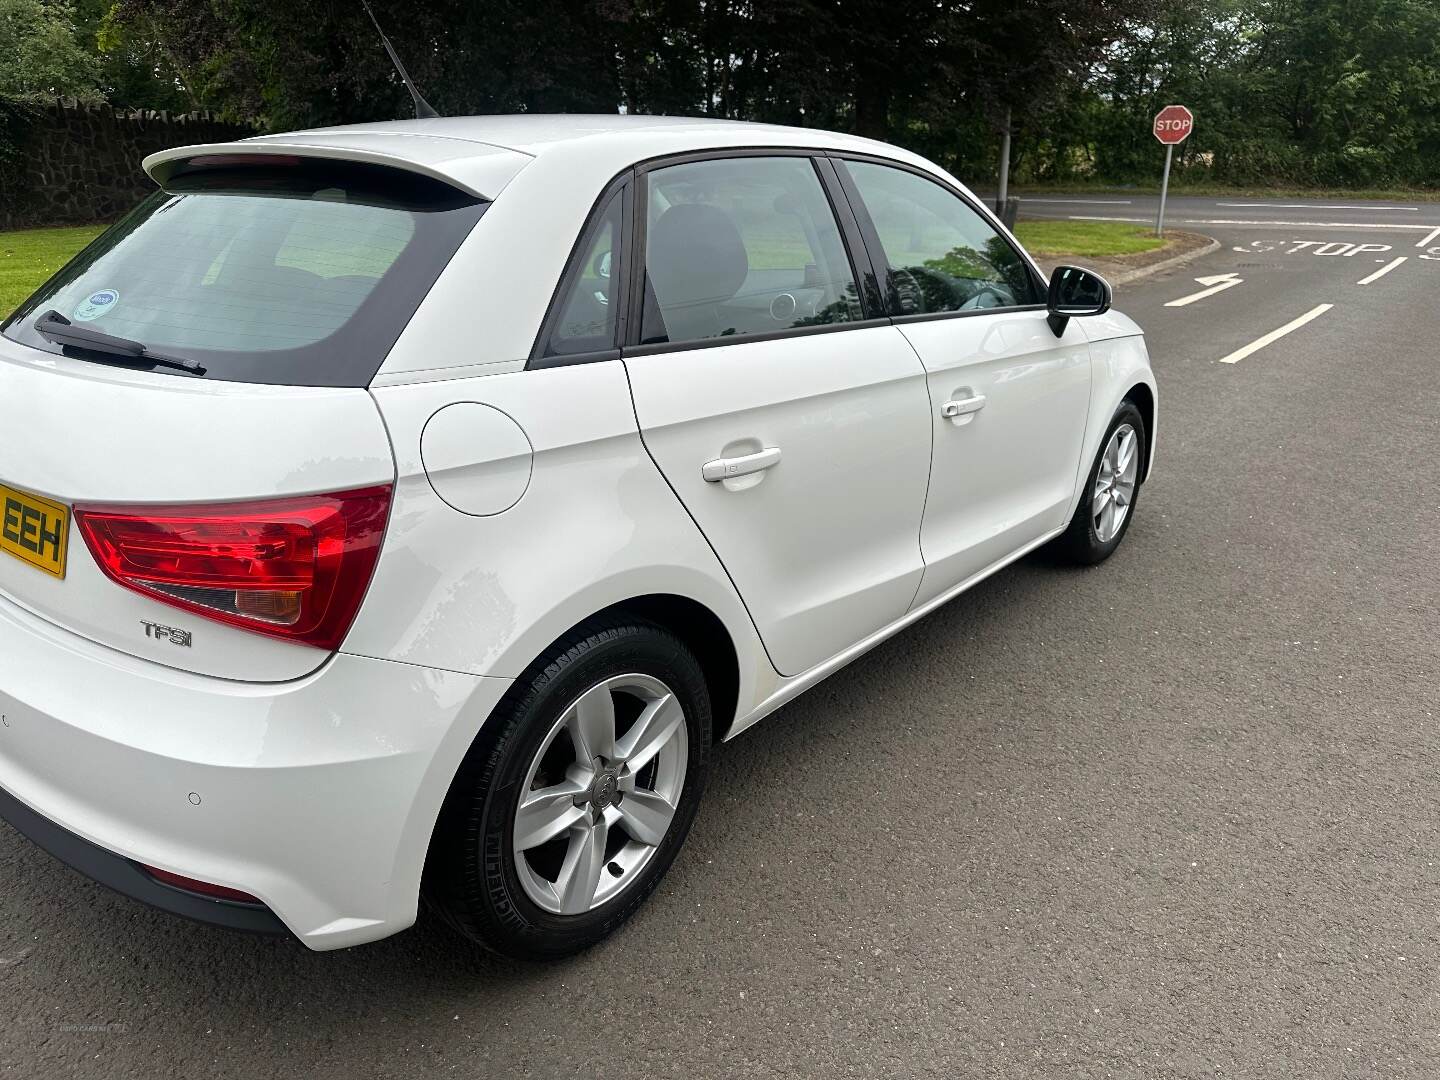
423, 111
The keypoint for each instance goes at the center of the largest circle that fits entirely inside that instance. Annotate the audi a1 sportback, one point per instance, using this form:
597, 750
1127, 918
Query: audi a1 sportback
407, 509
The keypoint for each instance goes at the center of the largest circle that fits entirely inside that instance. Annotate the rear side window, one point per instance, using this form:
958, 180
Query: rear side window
585, 321
943, 255
299, 274
742, 246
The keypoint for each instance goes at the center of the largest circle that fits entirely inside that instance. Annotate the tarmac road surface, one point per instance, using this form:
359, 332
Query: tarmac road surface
1174, 816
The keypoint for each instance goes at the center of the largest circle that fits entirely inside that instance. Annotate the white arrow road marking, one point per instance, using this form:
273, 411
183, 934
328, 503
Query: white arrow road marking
1430, 236
1275, 335
1378, 274
1217, 283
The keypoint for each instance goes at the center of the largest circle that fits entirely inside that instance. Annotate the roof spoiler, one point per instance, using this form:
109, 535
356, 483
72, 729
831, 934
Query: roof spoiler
165, 164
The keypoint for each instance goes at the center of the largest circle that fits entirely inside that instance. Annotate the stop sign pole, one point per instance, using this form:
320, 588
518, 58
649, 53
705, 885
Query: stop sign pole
1172, 126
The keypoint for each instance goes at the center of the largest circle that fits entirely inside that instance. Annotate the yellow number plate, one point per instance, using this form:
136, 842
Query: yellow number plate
34, 529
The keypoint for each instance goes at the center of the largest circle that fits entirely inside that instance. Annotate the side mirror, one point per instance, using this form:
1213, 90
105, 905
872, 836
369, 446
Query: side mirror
1075, 293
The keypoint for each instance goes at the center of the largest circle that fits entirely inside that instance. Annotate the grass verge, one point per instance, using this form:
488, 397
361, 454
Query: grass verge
1086, 239
29, 256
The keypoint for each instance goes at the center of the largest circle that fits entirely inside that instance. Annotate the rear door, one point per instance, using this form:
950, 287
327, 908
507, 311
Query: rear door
792, 424
1008, 398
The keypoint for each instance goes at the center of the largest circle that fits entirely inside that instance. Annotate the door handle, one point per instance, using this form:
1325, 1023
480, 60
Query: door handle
962, 406
727, 468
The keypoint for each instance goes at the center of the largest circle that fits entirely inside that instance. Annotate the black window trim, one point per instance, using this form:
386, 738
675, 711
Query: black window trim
877, 252
867, 277
855, 252
624, 186
862, 246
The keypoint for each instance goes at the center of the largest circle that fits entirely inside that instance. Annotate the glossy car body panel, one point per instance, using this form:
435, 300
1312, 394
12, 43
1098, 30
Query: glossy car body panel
823, 547
1120, 363
597, 522
86, 433
1004, 475
319, 794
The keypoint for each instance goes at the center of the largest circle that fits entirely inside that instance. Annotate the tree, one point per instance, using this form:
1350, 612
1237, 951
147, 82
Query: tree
40, 55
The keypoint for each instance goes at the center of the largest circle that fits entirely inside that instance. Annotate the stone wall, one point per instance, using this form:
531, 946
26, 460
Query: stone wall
65, 163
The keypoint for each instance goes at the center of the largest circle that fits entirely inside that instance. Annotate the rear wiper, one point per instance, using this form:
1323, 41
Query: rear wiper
57, 328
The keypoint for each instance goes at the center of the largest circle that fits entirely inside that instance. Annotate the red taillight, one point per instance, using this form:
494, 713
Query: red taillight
204, 888
293, 568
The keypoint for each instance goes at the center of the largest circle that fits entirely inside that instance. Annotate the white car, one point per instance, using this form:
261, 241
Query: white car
407, 509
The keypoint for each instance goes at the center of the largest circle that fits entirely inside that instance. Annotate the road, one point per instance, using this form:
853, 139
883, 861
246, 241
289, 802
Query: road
1207, 214
1174, 816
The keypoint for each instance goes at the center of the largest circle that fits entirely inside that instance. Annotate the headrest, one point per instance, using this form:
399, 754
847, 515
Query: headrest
696, 256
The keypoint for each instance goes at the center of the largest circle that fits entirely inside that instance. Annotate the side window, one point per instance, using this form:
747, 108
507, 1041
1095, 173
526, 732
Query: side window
586, 321
943, 255
742, 246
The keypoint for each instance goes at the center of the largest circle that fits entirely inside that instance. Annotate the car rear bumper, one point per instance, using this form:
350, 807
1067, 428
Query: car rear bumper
317, 796
130, 878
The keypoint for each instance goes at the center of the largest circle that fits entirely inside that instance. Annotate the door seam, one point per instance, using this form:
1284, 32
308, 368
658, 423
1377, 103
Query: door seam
929, 469
640, 430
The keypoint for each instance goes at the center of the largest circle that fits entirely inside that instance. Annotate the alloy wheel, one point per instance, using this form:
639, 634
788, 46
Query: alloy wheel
1115, 483
600, 794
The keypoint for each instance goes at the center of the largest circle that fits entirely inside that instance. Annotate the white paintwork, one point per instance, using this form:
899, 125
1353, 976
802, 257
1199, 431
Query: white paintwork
1119, 362
319, 794
823, 546
597, 526
476, 458
1006, 474
82, 433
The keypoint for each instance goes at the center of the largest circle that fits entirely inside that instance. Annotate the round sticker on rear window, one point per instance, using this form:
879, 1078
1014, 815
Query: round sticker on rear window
96, 304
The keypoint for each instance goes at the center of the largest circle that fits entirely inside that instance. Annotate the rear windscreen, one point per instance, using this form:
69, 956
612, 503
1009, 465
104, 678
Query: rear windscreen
301, 274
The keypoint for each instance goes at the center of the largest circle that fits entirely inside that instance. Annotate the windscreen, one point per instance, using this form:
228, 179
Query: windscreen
295, 271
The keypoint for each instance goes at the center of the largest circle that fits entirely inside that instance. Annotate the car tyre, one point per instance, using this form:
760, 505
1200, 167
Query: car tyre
1115, 478
538, 749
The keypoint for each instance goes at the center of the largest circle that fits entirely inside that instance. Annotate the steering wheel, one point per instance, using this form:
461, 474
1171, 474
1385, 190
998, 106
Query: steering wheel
916, 285
998, 299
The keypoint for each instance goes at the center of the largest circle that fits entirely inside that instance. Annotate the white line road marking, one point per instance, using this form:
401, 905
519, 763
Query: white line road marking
1218, 283
1081, 202
1275, 335
1308, 224
1310, 206
1286, 224
1378, 274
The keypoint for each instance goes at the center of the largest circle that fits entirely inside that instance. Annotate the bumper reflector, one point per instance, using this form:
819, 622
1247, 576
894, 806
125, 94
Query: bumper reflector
204, 888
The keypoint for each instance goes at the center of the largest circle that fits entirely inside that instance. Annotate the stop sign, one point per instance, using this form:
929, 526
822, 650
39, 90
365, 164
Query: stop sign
1173, 124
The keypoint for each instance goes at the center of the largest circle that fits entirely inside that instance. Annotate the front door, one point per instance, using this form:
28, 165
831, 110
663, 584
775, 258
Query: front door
1009, 399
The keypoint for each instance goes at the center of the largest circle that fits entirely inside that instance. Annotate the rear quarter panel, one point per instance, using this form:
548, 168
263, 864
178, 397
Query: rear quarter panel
596, 525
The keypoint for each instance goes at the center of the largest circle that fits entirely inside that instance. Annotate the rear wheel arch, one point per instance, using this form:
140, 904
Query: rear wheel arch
702, 631
707, 637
